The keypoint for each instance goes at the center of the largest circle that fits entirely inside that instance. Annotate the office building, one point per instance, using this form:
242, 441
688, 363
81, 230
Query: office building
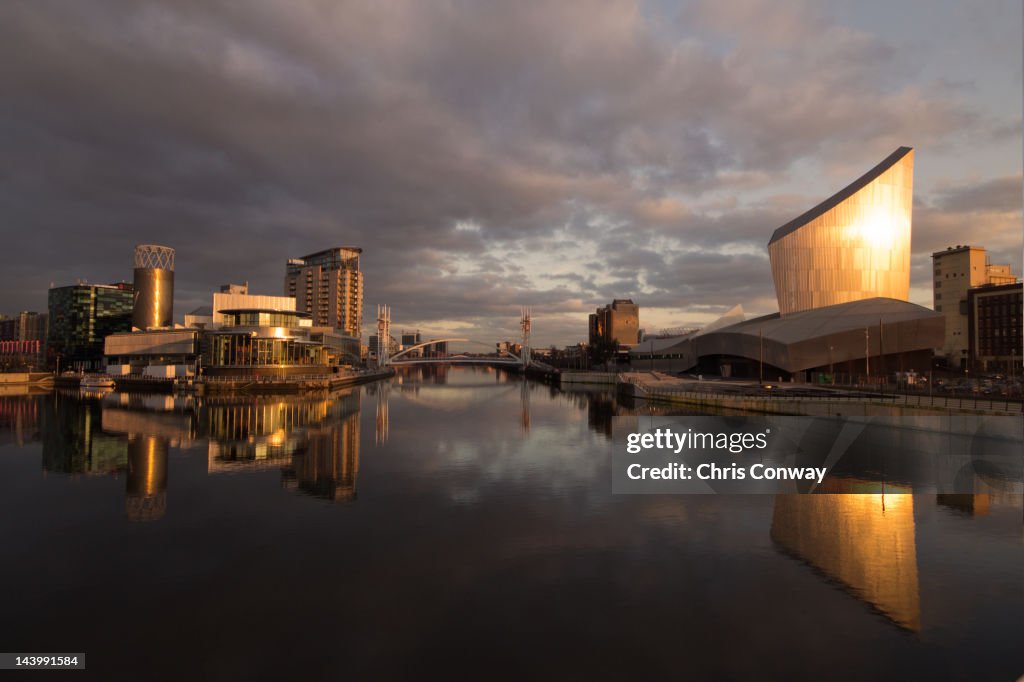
328, 287
82, 316
153, 286
410, 339
994, 320
852, 246
618, 322
955, 271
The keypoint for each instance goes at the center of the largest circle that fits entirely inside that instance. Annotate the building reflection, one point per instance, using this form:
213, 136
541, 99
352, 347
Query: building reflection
19, 418
328, 463
252, 434
146, 487
148, 425
74, 441
381, 394
524, 405
313, 441
865, 542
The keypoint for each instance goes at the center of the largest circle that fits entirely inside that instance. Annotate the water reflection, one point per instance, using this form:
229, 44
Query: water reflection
327, 464
313, 441
865, 542
484, 515
19, 419
146, 487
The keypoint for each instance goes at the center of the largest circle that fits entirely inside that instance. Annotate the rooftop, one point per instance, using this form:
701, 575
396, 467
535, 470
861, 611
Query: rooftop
840, 196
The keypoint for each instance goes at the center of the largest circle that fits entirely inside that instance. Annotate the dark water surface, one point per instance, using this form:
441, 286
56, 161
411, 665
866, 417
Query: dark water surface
459, 524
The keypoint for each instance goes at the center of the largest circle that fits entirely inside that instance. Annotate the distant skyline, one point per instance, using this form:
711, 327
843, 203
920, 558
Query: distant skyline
491, 155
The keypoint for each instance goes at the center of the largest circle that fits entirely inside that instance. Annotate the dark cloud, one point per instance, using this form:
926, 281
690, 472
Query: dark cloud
484, 155
999, 195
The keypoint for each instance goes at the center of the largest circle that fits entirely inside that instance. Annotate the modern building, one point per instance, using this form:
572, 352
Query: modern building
153, 286
842, 277
956, 270
875, 336
328, 286
371, 344
232, 297
157, 353
410, 339
994, 320
265, 342
82, 316
618, 322
438, 349
852, 246
23, 340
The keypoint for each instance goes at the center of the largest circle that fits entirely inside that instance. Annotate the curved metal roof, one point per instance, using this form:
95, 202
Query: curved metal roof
817, 322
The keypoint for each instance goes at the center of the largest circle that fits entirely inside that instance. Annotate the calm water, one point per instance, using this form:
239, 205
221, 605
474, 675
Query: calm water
461, 523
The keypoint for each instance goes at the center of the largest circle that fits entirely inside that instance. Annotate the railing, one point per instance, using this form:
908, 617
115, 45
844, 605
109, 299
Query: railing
892, 399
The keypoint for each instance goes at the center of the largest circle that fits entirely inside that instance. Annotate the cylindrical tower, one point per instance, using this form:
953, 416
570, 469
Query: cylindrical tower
154, 286
146, 488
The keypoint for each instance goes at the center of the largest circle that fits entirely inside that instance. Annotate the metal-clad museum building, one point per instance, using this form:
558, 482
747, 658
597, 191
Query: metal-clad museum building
842, 279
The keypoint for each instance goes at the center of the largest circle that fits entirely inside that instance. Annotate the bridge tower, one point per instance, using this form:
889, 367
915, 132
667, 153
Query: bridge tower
524, 324
383, 335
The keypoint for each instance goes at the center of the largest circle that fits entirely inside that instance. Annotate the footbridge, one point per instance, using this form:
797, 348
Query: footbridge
407, 356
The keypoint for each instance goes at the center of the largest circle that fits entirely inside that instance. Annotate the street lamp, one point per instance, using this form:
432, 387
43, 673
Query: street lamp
831, 369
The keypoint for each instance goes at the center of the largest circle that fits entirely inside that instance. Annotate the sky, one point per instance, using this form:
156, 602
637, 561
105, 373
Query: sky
493, 155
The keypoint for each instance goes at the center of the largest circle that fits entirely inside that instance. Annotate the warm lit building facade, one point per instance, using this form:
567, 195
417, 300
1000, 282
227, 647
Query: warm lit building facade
156, 353
81, 317
957, 270
854, 245
328, 286
618, 322
265, 343
842, 279
994, 319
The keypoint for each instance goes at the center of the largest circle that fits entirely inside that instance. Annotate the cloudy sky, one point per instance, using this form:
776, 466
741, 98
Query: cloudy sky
488, 155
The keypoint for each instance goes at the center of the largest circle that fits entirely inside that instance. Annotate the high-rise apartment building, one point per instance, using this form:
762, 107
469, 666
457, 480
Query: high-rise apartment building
329, 286
82, 315
955, 271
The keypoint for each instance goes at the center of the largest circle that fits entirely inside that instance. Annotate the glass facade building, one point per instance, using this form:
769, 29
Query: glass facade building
82, 316
854, 245
263, 341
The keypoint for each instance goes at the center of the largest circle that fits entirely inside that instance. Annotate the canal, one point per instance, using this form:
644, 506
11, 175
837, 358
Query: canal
459, 522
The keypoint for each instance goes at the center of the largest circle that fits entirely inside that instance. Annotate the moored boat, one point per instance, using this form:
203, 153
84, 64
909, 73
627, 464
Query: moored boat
97, 381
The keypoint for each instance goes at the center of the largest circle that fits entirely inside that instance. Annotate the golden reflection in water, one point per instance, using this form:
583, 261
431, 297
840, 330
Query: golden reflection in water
864, 541
329, 465
146, 488
258, 435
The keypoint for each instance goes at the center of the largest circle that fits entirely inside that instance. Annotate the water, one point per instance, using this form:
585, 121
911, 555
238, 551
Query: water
460, 522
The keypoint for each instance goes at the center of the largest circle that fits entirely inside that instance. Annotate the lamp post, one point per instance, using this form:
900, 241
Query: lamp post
831, 368
760, 353
867, 359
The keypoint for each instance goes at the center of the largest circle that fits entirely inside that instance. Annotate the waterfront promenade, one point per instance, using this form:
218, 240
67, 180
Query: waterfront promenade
803, 399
